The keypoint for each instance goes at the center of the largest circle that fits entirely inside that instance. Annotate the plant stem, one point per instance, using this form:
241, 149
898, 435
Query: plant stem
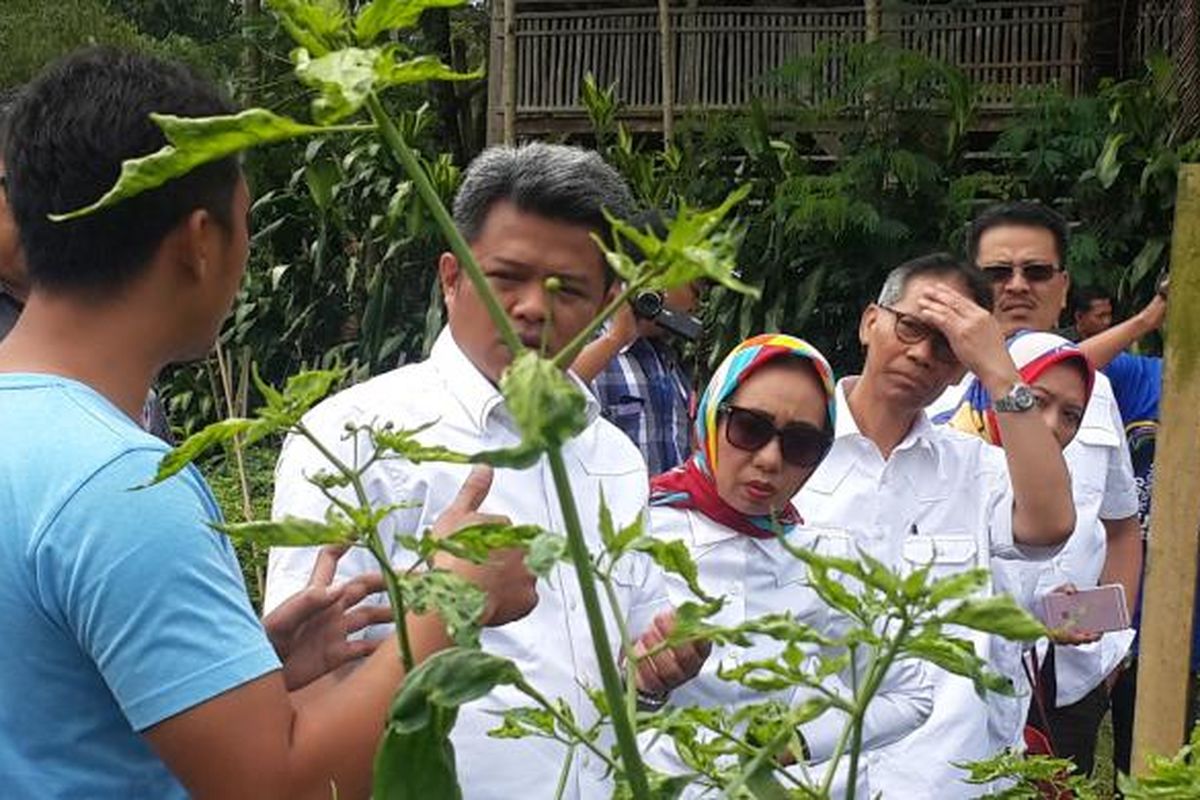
466, 259
635, 770
626, 642
566, 356
374, 546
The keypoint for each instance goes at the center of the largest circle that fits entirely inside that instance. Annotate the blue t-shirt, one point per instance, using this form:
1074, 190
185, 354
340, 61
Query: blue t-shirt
119, 608
1137, 385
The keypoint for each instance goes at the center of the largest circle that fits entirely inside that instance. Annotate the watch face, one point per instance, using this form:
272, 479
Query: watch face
1023, 397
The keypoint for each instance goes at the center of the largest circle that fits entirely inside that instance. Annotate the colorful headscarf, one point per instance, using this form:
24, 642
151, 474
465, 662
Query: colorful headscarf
1033, 352
692, 485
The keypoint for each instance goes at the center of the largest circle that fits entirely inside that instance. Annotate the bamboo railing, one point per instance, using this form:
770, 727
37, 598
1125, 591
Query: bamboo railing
726, 57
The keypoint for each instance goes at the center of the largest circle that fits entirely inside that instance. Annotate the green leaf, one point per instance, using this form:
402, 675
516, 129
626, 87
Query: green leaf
673, 557
960, 584
200, 442
958, 656
522, 456
1108, 165
318, 25
546, 550
698, 245
345, 78
1147, 259
457, 601
430, 747
386, 15
404, 443
448, 680
192, 142
999, 615
526, 721
289, 532
547, 406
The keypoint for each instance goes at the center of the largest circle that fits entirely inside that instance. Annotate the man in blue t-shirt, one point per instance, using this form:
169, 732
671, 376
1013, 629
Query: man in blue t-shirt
133, 665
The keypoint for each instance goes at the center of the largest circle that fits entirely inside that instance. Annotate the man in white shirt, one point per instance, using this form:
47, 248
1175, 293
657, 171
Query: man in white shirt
1021, 247
913, 494
529, 214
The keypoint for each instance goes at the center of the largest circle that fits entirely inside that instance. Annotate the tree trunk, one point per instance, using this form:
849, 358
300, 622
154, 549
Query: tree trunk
435, 28
874, 11
251, 59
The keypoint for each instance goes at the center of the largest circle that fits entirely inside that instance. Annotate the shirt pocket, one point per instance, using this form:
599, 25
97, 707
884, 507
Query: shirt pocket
945, 553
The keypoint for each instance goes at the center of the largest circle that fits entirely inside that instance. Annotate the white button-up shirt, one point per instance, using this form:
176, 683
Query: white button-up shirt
757, 577
942, 498
1103, 486
552, 645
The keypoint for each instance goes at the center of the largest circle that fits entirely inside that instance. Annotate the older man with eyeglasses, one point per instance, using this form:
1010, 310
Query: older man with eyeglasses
1021, 248
913, 494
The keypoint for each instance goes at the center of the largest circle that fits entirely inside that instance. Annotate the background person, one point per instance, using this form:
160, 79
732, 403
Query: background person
136, 666
1021, 248
914, 494
529, 213
764, 423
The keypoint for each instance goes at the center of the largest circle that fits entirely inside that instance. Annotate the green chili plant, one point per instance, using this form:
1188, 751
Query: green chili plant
348, 59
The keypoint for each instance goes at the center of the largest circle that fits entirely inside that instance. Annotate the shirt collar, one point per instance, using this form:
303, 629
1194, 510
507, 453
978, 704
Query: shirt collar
919, 435
705, 533
477, 395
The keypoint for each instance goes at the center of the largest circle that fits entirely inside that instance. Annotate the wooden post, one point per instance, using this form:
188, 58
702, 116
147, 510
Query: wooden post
874, 12
668, 72
1170, 586
510, 72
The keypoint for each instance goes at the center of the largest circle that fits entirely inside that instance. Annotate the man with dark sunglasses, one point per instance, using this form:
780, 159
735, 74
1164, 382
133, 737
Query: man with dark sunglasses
916, 495
1022, 248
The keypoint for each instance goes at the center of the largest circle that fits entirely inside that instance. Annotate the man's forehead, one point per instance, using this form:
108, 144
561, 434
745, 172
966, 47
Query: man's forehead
919, 283
1006, 238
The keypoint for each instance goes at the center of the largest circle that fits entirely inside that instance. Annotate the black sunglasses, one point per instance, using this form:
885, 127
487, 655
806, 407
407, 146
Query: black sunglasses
1000, 274
911, 330
800, 444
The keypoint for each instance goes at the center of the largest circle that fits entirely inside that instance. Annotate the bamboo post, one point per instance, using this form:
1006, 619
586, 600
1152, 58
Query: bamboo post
874, 12
1170, 587
510, 72
667, 49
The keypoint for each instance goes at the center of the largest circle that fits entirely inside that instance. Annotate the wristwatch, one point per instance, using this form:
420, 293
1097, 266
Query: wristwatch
1019, 398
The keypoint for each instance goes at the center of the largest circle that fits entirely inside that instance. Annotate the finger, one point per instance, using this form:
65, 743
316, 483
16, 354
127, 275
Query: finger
366, 616
326, 564
669, 669
354, 591
648, 679
300, 607
359, 648
473, 491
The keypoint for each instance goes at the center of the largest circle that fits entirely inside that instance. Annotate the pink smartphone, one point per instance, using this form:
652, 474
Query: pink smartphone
1094, 610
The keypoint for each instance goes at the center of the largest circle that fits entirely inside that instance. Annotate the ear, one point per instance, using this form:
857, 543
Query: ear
195, 246
866, 323
1066, 291
449, 274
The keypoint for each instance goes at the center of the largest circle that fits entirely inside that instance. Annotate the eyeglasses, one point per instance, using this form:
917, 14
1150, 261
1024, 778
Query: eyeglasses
1000, 274
800, 444
911, 330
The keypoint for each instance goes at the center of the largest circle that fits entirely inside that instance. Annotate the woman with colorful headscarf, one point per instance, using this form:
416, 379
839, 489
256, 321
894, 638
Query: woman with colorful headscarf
1061, 378
763, 425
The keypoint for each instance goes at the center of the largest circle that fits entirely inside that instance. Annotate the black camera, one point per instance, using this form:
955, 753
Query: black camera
650, 305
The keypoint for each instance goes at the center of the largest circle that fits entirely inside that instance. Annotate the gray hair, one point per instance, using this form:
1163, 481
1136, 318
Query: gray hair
938, 265
552, 180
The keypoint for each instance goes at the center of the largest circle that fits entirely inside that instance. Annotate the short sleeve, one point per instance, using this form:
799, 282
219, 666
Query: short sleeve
1120, 499
152, 594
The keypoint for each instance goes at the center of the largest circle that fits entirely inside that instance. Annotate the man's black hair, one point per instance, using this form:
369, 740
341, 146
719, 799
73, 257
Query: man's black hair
68, 133
1020, 214
1082, 298
936, 265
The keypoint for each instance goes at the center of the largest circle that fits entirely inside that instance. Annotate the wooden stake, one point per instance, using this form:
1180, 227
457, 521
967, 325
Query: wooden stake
510, 72
1170, 588
668, 72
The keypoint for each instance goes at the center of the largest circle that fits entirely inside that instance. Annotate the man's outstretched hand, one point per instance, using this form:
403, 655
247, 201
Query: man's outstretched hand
310, 630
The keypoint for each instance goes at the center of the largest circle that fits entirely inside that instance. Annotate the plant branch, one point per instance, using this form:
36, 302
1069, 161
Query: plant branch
566, 357
635, 770
466, 259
